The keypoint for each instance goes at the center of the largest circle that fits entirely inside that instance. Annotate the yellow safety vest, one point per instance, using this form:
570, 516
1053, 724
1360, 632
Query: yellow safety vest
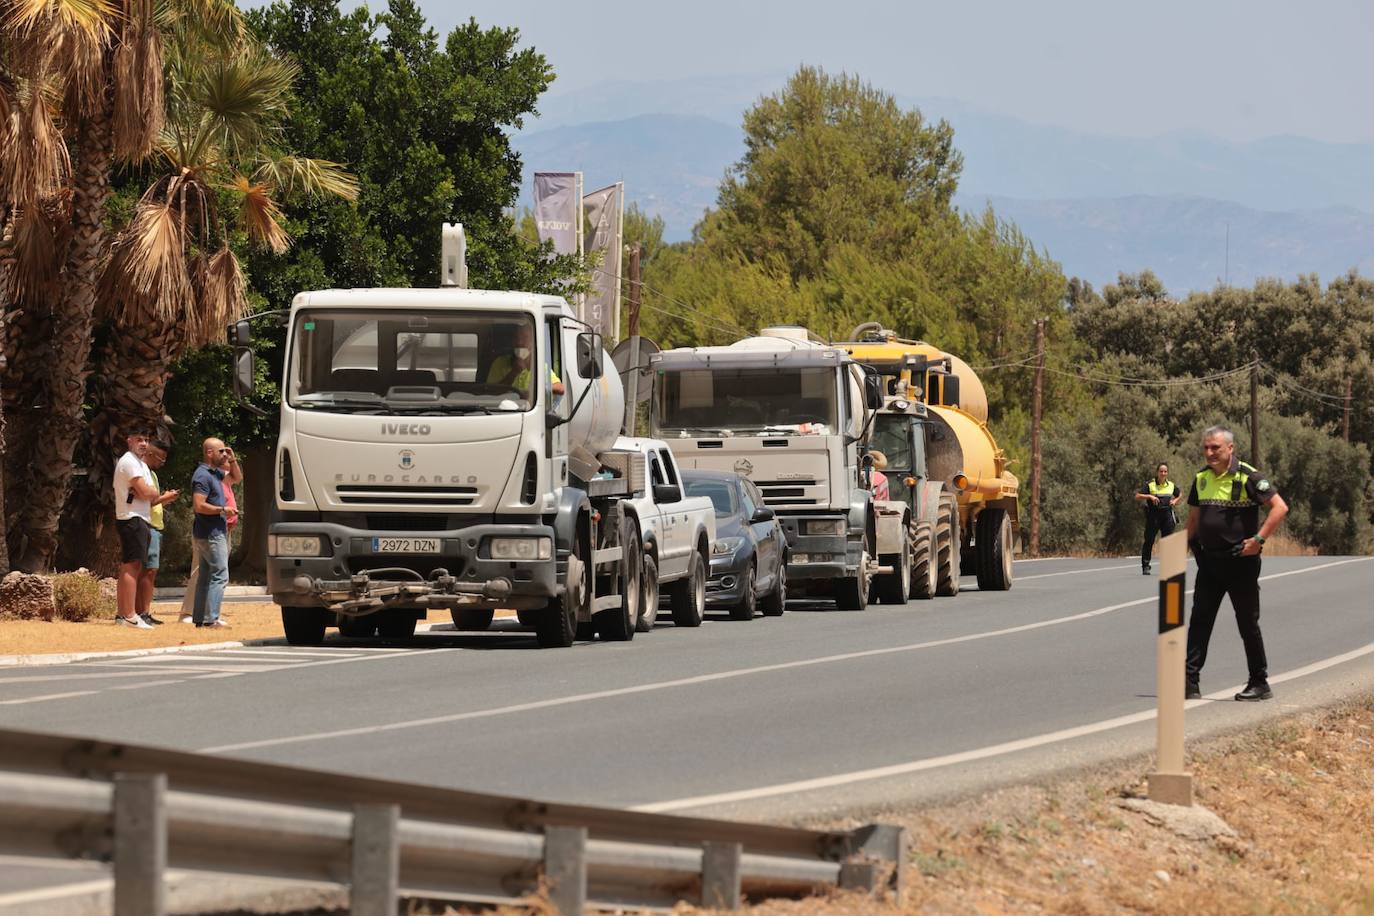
1224, 490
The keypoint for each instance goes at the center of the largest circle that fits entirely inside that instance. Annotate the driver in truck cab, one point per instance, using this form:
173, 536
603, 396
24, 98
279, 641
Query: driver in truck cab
513, 368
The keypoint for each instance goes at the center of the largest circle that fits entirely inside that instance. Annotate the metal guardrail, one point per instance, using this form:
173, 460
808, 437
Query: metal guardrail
147, 809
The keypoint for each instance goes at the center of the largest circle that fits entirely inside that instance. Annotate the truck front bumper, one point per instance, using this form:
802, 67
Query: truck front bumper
355, 578
818, 556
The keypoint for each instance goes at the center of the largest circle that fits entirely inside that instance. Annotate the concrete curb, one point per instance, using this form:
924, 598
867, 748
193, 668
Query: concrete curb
66, 658
232, 591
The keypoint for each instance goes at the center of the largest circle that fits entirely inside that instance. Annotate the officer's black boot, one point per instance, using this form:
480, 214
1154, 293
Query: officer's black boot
1191, 690
1256, 690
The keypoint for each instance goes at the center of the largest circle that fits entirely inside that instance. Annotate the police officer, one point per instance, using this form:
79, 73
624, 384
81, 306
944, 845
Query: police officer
1159, 496
1226, 538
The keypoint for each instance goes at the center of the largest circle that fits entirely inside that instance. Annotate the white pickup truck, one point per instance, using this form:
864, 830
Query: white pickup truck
677, 533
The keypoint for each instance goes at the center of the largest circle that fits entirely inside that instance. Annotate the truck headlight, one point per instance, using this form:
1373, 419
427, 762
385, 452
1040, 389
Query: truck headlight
726, 546
521, 548
825, 526
295, 545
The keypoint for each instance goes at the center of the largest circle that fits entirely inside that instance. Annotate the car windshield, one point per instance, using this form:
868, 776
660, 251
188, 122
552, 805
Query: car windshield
751, 402
892, 437
415, 362
721, 493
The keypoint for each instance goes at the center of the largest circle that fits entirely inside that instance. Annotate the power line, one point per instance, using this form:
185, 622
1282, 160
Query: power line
717, 324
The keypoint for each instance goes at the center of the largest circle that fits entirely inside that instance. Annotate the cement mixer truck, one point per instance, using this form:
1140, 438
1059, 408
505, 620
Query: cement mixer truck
792, 415
449, 449
975, 515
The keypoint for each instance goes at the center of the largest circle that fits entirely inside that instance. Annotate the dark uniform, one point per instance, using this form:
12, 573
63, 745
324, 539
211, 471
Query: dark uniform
1159, 519
1230, 505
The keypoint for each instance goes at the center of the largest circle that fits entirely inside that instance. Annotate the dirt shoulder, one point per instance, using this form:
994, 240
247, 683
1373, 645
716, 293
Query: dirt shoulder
1299, 795
40, 637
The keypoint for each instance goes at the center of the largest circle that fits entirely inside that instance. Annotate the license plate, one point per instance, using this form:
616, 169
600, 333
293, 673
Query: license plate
405, 545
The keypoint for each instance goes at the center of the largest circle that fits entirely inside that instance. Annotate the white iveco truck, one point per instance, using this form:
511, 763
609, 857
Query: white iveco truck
792, 415
450, 449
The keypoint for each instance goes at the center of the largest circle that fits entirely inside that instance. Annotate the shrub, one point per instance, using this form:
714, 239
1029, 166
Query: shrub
78, 597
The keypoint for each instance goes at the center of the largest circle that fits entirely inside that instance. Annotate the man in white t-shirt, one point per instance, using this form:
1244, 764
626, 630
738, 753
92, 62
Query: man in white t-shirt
134, 495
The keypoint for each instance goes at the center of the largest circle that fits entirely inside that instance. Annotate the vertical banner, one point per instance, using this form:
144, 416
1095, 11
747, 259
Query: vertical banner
558, 210
605, 213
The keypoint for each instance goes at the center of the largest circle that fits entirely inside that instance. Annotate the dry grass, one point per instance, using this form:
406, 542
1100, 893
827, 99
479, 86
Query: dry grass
27, 637
1300, 794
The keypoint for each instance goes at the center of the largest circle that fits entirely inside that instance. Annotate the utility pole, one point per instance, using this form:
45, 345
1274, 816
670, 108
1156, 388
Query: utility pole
632, 401
1035, 436
1254, 413
1345, 420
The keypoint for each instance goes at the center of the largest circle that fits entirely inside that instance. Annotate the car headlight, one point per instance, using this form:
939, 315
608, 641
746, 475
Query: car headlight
726, 546
295, 545
521, 548
825, 526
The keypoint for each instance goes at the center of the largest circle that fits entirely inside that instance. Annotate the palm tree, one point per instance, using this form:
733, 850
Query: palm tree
84, 74
173, 280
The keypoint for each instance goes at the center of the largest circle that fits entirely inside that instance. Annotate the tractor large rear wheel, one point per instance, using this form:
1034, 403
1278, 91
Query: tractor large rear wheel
947, 547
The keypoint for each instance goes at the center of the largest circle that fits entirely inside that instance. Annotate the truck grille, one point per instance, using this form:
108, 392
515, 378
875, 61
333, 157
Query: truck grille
406, 495
787, 492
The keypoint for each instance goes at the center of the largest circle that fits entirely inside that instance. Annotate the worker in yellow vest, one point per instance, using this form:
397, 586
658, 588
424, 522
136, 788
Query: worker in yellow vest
1227, 537
1158, 496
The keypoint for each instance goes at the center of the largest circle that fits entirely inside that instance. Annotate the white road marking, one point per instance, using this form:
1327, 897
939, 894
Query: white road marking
50, 696
286, 653
44, 894
982, 753
38, 679
144, 661
1075, 572
703, 678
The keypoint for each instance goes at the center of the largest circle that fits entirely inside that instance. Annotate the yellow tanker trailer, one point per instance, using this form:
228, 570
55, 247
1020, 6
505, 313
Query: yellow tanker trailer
960, 453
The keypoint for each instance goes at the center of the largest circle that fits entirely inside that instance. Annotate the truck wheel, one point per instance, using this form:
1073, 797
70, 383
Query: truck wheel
748, 603
852, 594
471, 618
923, 572
994, 550
556, 627
894, 587
689, 595
397, 624
947, 547
358, 627
618, 624
775, 602
304, 626
648, 605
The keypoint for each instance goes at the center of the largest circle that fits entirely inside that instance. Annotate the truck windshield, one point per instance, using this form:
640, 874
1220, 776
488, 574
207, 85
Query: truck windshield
892, 437
751, 402
426, 362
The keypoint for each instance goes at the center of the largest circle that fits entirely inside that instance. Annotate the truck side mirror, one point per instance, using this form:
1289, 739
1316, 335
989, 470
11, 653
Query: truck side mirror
243, 373
667, 493
240, 333
589, 355
950, 391
873, 391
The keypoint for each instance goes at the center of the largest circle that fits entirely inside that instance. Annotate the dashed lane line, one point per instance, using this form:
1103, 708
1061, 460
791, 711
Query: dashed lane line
706, 678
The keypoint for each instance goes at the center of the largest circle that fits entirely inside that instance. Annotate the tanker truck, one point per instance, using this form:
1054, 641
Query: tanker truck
792, 415
977, 511
449, 449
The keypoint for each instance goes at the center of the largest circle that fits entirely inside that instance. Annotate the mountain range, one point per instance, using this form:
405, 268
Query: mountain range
1097, 203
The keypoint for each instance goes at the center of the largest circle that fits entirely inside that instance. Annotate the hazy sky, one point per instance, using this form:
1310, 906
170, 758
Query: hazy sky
1233, 68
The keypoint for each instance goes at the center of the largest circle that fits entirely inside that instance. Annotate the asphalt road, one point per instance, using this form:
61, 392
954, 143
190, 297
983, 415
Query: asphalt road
816, 711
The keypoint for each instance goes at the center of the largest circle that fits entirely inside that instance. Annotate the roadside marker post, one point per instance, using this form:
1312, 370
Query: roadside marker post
1170, 783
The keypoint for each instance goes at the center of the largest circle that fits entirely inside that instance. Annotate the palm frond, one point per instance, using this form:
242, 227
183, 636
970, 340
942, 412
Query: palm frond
95, 17
138, 91
312, 177
220, 297
35, 163
214, 22
34, 251
261, 216
77, 57
146, 275
244, 97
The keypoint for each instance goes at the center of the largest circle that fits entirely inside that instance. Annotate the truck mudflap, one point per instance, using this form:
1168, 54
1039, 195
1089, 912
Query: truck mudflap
456, 570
